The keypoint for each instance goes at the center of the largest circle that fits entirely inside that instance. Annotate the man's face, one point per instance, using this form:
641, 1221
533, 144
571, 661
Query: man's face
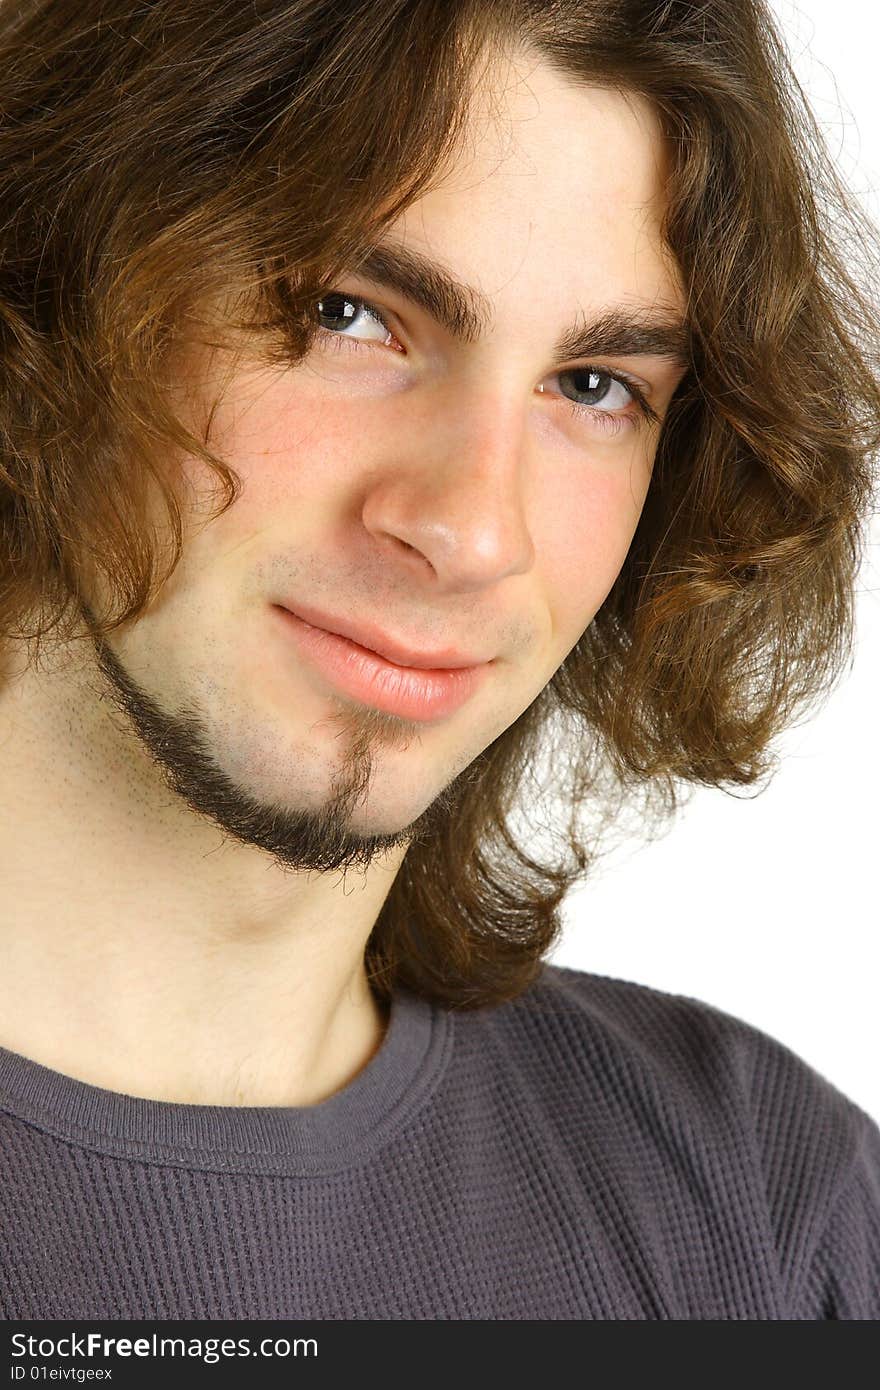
454, 491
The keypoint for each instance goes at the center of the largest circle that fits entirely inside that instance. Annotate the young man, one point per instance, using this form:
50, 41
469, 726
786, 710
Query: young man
276, 1037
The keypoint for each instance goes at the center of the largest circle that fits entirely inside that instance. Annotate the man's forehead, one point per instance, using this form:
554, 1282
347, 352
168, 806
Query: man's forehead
556, 197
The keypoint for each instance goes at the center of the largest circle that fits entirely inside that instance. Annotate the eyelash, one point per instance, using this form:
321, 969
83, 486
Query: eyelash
612, 423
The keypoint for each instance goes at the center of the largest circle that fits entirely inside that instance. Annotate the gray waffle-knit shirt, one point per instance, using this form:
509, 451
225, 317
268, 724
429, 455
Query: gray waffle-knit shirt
594, 1149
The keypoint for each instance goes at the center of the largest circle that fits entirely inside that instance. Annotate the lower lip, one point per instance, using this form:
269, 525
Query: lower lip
406, 691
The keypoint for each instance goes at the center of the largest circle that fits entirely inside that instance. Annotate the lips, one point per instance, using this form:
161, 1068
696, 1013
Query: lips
400, 653
420, 693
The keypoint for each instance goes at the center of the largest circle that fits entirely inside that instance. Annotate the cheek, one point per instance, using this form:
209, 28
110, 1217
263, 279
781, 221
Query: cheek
286, 445
582, 535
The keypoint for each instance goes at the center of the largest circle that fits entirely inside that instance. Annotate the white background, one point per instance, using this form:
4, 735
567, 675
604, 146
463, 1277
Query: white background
767, 906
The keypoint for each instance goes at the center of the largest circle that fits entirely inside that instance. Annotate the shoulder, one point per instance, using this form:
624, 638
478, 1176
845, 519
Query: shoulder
698, 1057
677, 1078
695, 1108
682, 1041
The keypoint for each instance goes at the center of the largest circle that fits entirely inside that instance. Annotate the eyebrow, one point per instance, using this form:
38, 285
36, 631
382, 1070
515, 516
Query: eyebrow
466, 313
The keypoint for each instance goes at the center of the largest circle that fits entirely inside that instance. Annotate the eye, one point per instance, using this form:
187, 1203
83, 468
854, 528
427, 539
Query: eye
346, 316
595, 396
598, 390
604, 398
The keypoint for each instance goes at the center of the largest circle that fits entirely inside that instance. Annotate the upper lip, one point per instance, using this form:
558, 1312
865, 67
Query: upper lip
366, 635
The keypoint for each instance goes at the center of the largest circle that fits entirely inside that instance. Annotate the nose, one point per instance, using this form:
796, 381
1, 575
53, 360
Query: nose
448, 499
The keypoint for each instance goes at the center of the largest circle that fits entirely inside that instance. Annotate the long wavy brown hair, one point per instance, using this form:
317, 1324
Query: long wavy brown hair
160, 160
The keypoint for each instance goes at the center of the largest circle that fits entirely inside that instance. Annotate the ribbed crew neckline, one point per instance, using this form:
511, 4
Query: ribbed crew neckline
295, 1140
